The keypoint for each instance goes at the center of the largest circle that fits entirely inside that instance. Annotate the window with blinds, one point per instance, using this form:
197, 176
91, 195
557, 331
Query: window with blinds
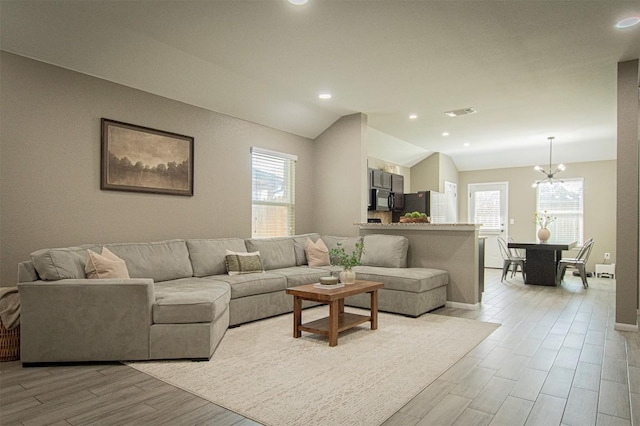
273, 176
564, 200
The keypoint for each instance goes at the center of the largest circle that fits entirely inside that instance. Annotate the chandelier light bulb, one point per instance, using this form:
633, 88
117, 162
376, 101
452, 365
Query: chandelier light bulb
561, 167
537, 168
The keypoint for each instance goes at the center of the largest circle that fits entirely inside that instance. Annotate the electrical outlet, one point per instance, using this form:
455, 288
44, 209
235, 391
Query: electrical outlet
607, 256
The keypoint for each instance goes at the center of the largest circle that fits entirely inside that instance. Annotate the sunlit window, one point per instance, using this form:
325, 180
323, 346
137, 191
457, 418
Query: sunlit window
273, 193
564, 201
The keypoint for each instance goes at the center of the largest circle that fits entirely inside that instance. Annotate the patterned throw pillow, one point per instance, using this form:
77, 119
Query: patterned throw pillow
106, 265
243, 263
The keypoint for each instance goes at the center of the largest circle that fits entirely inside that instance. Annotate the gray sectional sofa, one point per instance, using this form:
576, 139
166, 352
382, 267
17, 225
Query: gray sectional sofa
179, 300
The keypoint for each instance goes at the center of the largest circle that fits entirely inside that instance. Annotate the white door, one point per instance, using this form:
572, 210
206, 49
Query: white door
488, 207
451, 198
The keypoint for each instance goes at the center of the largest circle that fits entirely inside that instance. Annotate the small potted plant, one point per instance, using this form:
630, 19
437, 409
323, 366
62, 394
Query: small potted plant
339, 257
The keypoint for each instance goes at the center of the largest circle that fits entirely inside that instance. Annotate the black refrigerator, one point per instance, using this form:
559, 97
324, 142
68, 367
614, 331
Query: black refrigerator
427, 202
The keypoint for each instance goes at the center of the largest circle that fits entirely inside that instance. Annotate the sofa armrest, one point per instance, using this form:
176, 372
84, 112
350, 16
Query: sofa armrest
85, 320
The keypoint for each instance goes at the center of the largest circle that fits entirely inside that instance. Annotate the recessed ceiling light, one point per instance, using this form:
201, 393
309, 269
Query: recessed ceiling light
445, 133
324, 95
628, 22
467, 144
413, 116
298, 2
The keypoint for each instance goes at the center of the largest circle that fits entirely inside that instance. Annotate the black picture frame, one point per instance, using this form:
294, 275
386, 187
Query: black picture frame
141, 159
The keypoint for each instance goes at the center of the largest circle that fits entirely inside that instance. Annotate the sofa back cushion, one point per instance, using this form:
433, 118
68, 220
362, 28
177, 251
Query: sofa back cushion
275, 252
388, 251
162, 260
208, 256
62, 263
27, 272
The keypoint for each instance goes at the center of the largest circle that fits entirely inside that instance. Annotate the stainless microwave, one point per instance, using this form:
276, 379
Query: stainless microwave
381, 200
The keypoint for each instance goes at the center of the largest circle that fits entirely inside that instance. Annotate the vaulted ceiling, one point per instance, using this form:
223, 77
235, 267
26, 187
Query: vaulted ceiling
532, 69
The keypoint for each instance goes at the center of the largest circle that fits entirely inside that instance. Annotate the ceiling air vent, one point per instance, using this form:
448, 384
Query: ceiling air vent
463, 111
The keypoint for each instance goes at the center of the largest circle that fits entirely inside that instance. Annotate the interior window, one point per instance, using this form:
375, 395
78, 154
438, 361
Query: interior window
273, 193
564, 201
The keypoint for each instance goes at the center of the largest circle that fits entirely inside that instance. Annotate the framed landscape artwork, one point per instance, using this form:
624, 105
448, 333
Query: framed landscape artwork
140, 159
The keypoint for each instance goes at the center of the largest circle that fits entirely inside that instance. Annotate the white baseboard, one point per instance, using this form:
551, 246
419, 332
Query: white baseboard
459, 305
625, 327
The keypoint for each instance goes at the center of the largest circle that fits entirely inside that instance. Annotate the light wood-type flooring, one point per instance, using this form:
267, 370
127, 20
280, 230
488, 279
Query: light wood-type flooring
556, 360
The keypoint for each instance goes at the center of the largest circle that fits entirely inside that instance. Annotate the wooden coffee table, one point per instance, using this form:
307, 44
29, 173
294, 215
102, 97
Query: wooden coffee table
338, 320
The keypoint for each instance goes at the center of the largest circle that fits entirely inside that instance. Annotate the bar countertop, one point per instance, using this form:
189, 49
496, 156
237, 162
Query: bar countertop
421, 226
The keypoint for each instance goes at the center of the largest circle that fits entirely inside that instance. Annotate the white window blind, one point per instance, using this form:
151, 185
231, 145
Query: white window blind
487, 210
563, 200
273, 176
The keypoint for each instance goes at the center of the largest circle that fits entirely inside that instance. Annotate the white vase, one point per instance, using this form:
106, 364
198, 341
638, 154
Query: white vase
348, 276
543, 235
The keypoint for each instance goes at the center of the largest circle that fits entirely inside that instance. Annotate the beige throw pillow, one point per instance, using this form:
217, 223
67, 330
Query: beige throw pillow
243, 263
317, 253
106, 265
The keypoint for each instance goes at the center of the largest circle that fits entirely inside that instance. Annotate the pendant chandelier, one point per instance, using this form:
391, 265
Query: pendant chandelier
550, 175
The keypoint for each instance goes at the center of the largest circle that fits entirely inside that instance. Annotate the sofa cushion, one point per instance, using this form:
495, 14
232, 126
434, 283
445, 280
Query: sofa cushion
300, 275
243, 263
299, 244
189, 300
317, 253
414, 280
252, 284
105, 265
274, 252
62, 263
162, 260
388, 251
208, 256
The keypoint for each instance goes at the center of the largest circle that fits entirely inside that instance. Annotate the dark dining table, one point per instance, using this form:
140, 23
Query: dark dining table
541, 261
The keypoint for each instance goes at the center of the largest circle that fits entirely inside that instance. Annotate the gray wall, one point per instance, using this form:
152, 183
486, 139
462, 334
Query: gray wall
425, 175
627, 236
50, 166
431, 173
599, 201
340, 176
448, 171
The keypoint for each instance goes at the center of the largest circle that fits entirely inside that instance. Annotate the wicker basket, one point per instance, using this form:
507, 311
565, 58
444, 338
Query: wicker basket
414, 219
9, 343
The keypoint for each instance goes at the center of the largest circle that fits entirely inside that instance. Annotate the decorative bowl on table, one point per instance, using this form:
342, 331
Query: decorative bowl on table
328, 280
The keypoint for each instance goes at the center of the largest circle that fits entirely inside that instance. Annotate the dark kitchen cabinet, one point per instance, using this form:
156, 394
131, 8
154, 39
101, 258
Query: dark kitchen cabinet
397, 187
380, 179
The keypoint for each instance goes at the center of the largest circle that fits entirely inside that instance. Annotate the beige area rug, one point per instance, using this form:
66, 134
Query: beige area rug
261, 372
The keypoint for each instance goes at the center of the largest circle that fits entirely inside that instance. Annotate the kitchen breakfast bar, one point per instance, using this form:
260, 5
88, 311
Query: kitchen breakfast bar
456, 248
